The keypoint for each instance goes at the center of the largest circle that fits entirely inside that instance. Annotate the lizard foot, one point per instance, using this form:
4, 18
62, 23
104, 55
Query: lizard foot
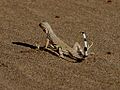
37, 45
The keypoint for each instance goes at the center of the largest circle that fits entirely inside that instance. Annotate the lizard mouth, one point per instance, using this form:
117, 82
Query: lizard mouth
44, 30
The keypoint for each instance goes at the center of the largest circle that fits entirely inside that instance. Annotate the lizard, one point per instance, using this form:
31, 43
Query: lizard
60, 48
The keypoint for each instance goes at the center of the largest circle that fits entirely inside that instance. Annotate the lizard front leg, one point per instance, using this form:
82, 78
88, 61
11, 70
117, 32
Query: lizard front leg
50, 49
47, 43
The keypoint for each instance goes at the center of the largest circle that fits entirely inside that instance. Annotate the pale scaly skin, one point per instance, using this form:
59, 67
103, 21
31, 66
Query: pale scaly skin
56, 43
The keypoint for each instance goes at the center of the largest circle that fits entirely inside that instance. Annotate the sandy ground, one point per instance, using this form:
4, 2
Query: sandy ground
24, 68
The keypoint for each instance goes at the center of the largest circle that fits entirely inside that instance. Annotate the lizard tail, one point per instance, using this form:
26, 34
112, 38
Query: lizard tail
85, 45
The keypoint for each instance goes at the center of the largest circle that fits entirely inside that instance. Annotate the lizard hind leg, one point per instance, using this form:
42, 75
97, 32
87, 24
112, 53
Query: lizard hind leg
89, 46
78, 48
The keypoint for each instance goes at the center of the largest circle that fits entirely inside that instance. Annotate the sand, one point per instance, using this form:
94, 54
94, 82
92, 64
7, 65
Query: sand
22, 67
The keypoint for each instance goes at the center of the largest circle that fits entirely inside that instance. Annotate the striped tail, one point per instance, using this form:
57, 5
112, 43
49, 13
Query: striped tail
85, 45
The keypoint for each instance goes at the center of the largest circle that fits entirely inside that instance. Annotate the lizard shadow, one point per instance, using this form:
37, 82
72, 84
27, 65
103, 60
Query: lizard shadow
25, 45
43, 49
33, 47
76, 59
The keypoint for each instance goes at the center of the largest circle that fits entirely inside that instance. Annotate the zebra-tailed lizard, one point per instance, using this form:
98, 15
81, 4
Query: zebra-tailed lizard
60, 48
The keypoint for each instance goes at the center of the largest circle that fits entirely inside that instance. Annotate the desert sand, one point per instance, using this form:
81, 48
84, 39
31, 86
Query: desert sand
22, 67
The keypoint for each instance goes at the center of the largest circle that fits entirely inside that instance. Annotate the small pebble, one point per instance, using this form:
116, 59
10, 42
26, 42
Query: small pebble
108, 1
57, 16
109, 53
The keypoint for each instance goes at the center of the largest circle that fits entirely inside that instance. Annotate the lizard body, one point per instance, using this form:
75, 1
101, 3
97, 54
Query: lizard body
62, 47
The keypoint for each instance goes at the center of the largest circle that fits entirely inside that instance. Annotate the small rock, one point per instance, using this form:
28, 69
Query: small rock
109, 53
108, 1
57, 16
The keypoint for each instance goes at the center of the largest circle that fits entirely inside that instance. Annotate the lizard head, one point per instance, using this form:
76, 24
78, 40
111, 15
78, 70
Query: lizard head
45, 26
